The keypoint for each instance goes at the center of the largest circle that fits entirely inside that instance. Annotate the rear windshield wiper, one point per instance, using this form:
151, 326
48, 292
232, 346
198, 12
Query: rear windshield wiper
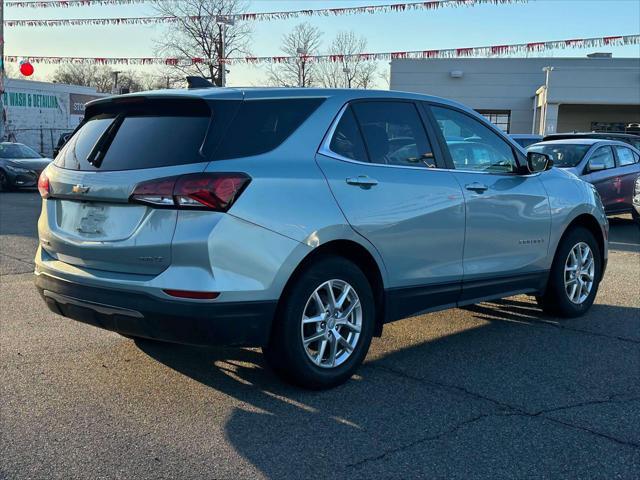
99, 150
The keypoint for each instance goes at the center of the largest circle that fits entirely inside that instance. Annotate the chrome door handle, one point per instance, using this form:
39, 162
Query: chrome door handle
362, 181
476, 187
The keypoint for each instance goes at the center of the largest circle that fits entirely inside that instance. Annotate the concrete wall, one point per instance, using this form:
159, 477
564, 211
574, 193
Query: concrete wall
511, 83
38, 112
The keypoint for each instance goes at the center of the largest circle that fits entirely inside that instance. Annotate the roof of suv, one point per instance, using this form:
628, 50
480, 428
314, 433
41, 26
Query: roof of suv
279, 92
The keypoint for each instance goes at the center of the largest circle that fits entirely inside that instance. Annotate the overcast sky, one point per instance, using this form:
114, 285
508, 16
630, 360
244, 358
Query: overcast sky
537, 20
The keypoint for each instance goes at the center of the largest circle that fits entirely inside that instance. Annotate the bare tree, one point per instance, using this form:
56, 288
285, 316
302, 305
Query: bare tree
98, 76
101, 77
304, 40
348, 70
199, 32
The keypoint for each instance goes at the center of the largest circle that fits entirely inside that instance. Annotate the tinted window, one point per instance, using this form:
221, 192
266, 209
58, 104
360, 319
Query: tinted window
346, 140
394, 134
262, 125
626, 156
563, 155
137, 142
472, 145
17, 150
604, 156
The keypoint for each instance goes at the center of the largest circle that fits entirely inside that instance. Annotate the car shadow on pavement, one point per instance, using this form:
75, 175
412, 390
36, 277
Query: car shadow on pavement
423, 407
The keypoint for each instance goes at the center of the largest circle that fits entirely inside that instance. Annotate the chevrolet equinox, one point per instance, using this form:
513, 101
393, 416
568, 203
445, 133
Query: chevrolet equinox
302, 220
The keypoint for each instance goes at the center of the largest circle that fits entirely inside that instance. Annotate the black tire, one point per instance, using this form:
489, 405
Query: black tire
555, 300
4, 181
635, 216
286, 353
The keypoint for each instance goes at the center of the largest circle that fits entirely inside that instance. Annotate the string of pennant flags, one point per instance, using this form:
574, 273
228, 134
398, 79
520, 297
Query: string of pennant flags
486, 51
255, 16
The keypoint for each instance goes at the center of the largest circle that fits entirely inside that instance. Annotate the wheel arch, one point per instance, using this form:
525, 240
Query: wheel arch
359, 255
589, 222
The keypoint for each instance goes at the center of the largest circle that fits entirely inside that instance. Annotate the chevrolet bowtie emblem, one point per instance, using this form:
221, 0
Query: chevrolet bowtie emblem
80, 189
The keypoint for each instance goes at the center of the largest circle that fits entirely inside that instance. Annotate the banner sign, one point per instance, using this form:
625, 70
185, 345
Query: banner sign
28, 100
77, 102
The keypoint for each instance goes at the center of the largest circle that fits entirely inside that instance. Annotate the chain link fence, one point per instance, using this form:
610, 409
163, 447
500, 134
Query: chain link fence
42, 140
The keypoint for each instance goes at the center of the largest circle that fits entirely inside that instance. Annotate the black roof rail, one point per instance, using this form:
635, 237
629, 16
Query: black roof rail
199, 82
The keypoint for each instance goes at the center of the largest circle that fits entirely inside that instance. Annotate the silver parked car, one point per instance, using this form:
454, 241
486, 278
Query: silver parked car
303, 220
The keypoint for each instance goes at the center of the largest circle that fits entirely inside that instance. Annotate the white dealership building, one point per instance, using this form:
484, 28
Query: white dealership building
533, 95
37, 113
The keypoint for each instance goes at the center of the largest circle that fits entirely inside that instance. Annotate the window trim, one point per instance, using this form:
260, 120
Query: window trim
325, 149
517, 155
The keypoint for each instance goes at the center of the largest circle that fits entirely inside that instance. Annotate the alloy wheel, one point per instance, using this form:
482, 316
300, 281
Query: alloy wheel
579, 273
331, 323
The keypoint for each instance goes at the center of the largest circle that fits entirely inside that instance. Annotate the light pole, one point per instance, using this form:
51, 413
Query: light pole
2, 119
223, 22
346, 72
301, 53
115, 81
547, 71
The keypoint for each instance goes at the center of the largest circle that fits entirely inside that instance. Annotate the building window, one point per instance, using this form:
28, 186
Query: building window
500, 118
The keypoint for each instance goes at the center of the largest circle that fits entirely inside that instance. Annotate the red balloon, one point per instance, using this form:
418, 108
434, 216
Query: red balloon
26, 69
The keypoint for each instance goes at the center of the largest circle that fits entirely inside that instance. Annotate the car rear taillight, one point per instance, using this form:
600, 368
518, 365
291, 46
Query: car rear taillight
43, 185
197, 191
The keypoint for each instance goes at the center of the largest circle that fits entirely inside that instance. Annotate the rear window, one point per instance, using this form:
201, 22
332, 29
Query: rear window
262, 125
141, 135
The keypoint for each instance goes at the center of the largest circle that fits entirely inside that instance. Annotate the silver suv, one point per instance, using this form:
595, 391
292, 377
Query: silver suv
303, 220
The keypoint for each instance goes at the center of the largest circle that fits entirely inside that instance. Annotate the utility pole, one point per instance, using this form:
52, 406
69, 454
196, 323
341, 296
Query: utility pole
2, 119
543, 119
115, 81
347, 74
223, 22
301, 53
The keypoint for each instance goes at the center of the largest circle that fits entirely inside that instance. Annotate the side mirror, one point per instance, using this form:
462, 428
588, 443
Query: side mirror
596, 166
538, 162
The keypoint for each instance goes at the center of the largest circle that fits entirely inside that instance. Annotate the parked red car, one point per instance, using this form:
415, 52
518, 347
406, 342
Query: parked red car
611, 166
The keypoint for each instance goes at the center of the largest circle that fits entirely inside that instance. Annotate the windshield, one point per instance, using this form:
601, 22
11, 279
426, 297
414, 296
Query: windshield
17, 151
565, 155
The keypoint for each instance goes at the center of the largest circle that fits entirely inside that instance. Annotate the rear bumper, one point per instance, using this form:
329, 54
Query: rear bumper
139, 315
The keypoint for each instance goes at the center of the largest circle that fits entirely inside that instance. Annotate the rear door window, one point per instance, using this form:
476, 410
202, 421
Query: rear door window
347, 141
394, 134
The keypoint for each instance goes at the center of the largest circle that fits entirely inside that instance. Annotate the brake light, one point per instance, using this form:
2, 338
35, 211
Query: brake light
199, 191
43, 185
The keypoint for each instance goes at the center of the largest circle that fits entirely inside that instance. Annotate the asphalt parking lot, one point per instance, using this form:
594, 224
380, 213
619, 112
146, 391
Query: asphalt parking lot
496, 390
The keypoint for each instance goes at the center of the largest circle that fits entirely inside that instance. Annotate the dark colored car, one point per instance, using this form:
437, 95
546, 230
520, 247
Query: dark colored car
612, 167
20, 166
62, 140
629, 138
526, 139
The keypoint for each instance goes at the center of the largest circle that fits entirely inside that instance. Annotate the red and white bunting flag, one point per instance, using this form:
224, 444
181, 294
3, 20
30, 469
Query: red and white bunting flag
251, 16
486, 51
